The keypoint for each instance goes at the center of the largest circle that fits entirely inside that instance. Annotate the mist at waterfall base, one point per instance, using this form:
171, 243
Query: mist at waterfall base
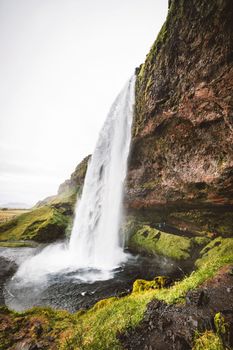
93, 264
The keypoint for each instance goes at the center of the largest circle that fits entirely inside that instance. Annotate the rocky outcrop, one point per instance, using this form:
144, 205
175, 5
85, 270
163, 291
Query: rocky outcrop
8, 268
44, 224
51, 218
168, 327
181, 164
75, 182
68, 190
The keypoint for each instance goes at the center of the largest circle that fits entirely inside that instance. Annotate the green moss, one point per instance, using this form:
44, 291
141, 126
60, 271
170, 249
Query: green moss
143, 285
51, 218
142, 74
104, 302
41, 224
15, 244
153, 241
201, 241
208, 341
220, 325
98, 327
206, 221
146, 75
215, 255
53, 324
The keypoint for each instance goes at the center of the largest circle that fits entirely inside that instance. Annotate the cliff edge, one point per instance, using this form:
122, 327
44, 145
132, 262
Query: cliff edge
181, 165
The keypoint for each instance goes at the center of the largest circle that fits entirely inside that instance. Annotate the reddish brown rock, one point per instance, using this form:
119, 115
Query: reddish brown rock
182, 149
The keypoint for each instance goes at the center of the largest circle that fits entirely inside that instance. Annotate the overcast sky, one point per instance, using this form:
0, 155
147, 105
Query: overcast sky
62, 63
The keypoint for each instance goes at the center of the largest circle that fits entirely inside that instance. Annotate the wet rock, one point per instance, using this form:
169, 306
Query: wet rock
199, 297
182, 132
169, 327
7, 269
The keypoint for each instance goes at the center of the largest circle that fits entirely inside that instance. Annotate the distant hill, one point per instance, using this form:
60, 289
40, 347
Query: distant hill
15, 205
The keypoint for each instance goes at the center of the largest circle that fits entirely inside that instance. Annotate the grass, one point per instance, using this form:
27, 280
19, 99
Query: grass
17, 244
41, 224
116, 315
8, 214
208, 341
98, 327
216, 254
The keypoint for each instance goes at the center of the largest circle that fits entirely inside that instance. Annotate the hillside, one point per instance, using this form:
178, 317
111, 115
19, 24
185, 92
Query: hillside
178, 202
51, 218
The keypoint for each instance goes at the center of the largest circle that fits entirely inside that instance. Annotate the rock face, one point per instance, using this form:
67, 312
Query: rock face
76, 179
8, 268
69, 189
181, 165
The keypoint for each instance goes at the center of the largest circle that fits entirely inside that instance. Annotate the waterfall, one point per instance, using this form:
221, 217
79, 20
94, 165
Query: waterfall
95, 240
96, 246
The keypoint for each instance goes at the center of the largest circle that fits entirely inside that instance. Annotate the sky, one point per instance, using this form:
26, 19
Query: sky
62, 64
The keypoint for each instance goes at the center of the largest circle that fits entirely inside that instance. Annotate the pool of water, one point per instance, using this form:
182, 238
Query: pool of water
77, 288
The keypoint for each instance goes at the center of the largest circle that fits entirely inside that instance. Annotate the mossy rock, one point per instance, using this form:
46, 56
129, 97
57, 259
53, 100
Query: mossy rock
99, 327
152, 241
141, 285
220, 324
51, 218
43, 224
18, 244
208, 341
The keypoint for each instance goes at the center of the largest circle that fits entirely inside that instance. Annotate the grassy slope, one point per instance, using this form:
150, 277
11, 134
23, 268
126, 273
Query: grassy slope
41, 224
151, 240
98, 327
51, 218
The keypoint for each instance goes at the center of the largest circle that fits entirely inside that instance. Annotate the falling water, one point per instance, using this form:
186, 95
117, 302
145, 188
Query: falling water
96, 247
95, 240
69, 276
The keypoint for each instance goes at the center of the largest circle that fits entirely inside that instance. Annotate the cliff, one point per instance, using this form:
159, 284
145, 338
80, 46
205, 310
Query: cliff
181, 165
178, 199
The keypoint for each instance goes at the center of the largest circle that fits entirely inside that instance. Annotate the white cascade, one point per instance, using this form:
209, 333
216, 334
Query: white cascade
96, 246
96, 241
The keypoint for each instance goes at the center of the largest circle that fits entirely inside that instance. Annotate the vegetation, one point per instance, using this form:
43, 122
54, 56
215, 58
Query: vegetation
17, 244
208, 341
153, 241
109, 317
220, 325
8, 214
216, 254
41, 224
50, 219
143, 285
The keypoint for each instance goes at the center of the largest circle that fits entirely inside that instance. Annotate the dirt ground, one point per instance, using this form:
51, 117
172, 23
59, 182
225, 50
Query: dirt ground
169, 327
